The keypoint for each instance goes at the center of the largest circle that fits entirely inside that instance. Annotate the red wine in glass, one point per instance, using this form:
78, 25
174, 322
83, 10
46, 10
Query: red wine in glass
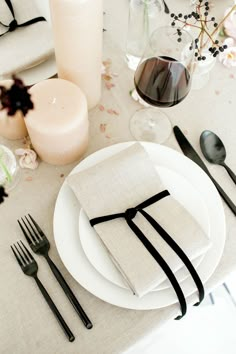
162, 81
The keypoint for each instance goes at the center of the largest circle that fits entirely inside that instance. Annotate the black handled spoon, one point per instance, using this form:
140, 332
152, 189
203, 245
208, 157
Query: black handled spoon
214, 150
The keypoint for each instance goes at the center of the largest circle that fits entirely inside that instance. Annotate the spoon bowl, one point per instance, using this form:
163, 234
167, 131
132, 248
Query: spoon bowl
214, 150
212, 147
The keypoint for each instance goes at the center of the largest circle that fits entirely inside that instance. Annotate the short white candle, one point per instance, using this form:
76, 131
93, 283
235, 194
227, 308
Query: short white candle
58, 124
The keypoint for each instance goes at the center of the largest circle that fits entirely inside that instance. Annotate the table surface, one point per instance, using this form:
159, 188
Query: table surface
27, 325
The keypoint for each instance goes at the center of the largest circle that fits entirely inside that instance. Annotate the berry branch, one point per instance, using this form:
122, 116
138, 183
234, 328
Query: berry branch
207, 26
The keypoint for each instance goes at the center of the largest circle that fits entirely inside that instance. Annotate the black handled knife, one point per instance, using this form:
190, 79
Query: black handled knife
166, 8
189, 151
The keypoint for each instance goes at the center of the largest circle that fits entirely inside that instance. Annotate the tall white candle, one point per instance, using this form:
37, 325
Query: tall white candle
58, 124
77, 28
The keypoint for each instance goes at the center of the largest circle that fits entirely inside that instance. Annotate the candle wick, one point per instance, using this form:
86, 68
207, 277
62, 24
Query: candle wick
53, 100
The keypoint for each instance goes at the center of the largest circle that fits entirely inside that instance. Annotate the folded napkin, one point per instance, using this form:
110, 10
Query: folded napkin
124, 181
22, 47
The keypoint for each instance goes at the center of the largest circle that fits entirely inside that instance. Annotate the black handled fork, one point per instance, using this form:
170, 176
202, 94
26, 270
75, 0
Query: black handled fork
30, 268
39, 244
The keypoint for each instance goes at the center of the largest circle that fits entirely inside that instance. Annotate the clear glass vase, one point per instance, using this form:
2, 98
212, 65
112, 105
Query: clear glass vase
202, 69
144, 17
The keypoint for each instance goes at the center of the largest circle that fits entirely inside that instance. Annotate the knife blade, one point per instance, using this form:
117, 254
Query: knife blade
189, 151
166, 8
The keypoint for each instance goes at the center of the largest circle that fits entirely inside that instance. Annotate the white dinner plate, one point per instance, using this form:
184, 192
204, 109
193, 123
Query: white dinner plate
68, 243
97, 253
40, 72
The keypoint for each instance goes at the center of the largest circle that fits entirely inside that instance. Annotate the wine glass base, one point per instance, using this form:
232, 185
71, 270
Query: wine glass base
132, 61
150, 124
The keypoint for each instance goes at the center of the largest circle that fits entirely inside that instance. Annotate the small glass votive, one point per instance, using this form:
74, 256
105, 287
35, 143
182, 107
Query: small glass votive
9, 169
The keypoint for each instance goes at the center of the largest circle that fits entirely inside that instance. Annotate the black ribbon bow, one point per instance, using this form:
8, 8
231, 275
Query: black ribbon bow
13, 25
129, 215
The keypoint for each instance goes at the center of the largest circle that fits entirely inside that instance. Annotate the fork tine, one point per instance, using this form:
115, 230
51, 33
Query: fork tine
40, 231
27, 251
32, 235
25, 233
34, 227
17, 257
24, 253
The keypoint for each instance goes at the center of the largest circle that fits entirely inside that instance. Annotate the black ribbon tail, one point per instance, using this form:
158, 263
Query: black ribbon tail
129, 215
155, 198
158, 258
34, 20
9, 4
105, 218
178, 250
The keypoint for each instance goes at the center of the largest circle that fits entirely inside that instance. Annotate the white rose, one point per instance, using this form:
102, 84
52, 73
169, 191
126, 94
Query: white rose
28, 158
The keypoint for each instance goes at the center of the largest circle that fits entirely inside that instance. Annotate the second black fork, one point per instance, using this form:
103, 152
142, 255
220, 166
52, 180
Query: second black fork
39, 244
30, 268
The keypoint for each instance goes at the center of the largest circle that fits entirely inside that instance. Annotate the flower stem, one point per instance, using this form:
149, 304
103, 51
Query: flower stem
146, 17
219, 25
223, 20
4, 168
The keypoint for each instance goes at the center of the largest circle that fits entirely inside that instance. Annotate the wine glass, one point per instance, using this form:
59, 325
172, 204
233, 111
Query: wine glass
162, 79
9, 169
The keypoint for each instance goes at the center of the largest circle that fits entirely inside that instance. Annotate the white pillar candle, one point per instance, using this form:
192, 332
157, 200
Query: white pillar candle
11, 127
77, 28
58, 124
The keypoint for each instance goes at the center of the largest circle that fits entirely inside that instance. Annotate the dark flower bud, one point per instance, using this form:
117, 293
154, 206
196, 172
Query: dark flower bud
3, 194
16, 98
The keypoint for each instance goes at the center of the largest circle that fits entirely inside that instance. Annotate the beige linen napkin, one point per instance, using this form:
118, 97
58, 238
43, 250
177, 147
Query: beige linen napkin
124, 181
26, 46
